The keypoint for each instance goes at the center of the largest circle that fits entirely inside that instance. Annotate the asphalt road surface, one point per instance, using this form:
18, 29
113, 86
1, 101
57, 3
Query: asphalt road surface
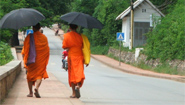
107, 86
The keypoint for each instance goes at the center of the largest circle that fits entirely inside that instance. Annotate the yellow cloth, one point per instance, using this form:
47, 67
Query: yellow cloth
37, 70
86, 49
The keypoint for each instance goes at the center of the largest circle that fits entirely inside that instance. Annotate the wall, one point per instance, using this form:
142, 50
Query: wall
141, 16
126, 30
129, 57
8, 75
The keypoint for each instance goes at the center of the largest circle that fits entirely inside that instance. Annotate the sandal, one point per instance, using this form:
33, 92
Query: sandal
77, 92
37, 94
30, 95
72, 96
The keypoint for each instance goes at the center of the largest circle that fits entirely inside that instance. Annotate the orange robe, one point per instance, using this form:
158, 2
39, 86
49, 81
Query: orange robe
22, 52
37, 70
74, 42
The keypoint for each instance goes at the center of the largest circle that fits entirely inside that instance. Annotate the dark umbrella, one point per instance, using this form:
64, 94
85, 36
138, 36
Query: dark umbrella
82, 19
21, 18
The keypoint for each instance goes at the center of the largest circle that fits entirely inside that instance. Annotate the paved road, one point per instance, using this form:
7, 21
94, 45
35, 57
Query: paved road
107, 86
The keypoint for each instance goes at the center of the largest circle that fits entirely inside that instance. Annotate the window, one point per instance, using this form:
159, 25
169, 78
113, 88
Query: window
143, 10
140, 28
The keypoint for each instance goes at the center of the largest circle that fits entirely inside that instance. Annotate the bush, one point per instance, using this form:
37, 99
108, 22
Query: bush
65, 28
5, 53
101, 50
166, 68
5, 35
167, 40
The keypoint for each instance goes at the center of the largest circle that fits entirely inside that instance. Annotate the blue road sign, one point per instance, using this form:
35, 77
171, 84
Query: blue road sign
120, 36
29, 31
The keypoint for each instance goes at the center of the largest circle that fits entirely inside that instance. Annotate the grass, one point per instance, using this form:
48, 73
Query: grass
142, 65
100, 50
165, 68
112, 56
124, 48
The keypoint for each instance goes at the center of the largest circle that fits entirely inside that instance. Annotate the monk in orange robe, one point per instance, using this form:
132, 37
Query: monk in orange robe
22, 52
36, 71
73, 42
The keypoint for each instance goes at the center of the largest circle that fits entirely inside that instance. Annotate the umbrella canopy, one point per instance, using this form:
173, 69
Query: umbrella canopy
21, 18
82, 19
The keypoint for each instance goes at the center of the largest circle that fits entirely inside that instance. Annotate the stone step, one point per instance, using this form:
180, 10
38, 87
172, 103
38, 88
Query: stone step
18, 49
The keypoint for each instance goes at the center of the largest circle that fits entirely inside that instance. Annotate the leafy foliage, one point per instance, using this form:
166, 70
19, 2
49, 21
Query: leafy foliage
106, 12
101, 50
85, 6
166, 6
5, 35
167, 40
5, 53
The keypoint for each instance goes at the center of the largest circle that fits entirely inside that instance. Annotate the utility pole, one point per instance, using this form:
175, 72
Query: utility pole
132, 23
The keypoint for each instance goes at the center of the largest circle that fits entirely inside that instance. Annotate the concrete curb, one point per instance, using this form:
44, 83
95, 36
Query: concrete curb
135, 70
8, 72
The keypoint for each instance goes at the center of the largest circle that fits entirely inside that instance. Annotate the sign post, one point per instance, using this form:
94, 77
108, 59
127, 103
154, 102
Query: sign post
120, 37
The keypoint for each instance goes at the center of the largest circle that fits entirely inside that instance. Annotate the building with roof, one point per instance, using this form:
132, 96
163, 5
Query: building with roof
144, 10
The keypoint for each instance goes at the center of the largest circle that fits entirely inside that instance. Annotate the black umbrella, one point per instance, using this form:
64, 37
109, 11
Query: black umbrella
21, 18
82, 19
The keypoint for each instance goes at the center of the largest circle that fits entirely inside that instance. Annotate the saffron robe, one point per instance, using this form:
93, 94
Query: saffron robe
74, 43
37, 70
22, 52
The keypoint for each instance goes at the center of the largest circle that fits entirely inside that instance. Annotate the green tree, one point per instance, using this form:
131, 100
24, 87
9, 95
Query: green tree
165, 6
106, 12
85, 6
167, 40
53, 9
5, 7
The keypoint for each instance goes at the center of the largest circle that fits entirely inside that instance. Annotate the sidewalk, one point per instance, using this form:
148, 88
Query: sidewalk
134, 70
52, 92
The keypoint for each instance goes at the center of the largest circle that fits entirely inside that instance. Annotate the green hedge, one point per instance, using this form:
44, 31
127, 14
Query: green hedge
5, 53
